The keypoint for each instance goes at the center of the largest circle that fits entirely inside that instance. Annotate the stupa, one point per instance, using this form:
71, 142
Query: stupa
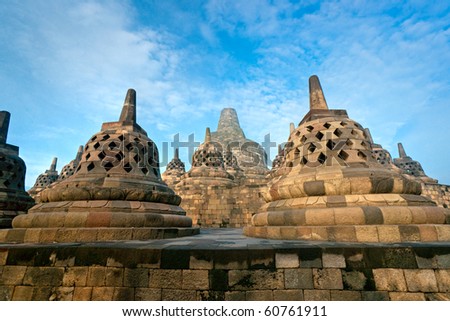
44, 180
411, 166
116, 192
206, 189
175, 169
69, 169
13, 198
333, 189
250, 156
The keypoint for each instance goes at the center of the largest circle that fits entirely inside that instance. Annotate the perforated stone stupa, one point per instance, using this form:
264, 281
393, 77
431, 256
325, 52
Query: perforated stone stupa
411, 166
69, 169
44, 180
13, 198
175, 169
223, 187
333, 189
116, 192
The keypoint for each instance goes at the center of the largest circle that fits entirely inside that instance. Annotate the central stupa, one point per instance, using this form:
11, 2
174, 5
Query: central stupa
115, 193
331, 188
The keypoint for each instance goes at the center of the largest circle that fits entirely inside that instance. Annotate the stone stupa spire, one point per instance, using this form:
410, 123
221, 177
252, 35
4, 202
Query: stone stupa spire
401, 151
129, 108
4, 126
316, 96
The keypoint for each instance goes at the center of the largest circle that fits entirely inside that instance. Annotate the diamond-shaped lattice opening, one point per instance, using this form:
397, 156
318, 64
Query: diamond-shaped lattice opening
121, 138
108, 166
93, 138
144, 170
363, 143
1, 173
127, 167
303, 139
112, 145
137, 140
78, 168
96, 145
119, 156
136, 158
101, 155
322, 158
330, 144
303, 161
327, 125
129, 146
88, 155
349, 142
7, 183
312, 148
362, 155
297, 153
343, 155
105, 137
90, 167
289, 164
309, 128
338, 132
319, 135
343, 123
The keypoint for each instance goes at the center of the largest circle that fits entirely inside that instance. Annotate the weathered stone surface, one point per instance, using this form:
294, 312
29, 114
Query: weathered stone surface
390, 280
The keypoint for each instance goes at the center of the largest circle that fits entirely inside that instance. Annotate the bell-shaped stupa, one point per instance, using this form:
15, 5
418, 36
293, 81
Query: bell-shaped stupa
175, 169
69, 169
44, 180
411, 167
333, 189
116, 192
13, 198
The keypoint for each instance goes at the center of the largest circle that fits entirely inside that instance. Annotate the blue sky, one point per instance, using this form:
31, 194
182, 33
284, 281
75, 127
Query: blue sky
66, 66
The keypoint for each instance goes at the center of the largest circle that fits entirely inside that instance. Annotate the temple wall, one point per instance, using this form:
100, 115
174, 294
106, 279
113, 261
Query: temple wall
437, 192
306, 272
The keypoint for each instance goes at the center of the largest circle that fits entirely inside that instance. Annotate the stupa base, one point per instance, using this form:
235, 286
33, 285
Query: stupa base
87, 235
356, 233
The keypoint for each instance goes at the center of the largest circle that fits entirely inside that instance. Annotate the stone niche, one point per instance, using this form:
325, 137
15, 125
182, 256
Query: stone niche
116, 193
331, 188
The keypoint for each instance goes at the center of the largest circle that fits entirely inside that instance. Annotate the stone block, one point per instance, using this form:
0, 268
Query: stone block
319, 217
354, 280
32, 235
443, 232
330, 260
288, 295
255, 279
286, 260
165, 279
298, 279
82, 294
75, 276
195, 280
259, 295
201, 263
317, 295
388, 233
123, 294
178, 295
337, 295
114, 277
102, 293
327, 279
96, 276
443, 280
22, 293
367, 233
235, 296
44, 276
6, 293
406, 296
375, 296
420, 280
389, 280
137, 277
146, 294
13, 275
63, 294
3, 256
428, 233
349, 216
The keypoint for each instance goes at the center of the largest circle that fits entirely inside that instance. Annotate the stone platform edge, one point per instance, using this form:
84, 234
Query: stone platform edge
137, 270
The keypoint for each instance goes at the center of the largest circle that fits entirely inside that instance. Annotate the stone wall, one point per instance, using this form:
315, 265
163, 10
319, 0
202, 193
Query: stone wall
121, 271
437, 192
